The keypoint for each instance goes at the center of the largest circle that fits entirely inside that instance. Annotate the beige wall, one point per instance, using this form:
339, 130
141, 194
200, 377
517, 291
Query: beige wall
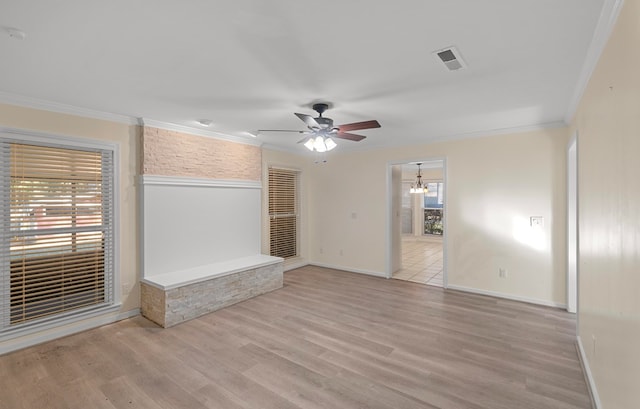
125, 136
494, 184
428, 175
608, 126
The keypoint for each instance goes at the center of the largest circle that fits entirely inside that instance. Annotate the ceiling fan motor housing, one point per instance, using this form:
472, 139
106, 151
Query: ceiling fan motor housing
324, 122
320, 107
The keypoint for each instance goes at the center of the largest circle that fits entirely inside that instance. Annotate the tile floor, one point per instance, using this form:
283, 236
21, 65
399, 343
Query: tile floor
421, 260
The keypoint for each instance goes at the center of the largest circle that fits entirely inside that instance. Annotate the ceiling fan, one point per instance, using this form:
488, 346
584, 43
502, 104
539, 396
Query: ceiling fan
321, 130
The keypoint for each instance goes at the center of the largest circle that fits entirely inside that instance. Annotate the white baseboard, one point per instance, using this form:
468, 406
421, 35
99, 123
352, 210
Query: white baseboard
351, 270
292, 264
507, 296
595, 398
64, 330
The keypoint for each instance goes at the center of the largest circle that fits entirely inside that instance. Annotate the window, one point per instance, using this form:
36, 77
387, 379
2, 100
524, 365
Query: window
434, 198
283, 212
433, 208
57, 237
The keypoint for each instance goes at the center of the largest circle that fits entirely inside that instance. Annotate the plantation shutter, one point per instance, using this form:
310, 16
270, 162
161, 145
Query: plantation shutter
283, 212
57, 231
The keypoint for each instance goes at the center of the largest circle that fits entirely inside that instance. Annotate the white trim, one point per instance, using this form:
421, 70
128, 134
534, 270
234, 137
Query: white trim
168, 126
34, 103
591, 384
389, 215
607, 20
117, 239
182, 278
498, 131
62, 328
389, 220
507, 296
56, 140
68, 142
201, 182
351, 270
572, 226
141, 224
283, 167
445, 227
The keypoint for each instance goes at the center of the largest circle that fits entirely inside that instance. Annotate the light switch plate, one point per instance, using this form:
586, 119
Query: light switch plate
536, 221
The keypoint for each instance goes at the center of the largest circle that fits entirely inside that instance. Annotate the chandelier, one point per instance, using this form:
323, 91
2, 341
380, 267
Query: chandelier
418, 186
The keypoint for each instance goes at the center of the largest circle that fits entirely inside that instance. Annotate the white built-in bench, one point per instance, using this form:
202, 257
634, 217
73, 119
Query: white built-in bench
171, 298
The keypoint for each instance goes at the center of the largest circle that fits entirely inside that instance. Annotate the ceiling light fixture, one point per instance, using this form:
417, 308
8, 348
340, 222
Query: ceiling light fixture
320, 143
418, 186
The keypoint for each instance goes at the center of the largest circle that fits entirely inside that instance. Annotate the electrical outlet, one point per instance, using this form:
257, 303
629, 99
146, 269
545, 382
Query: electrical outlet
502, 272
341, 252
321, 250
593, 340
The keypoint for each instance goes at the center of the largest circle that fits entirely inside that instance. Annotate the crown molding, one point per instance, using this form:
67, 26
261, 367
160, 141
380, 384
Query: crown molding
607, 20
168, 126
516, 130
28, 102
500, 131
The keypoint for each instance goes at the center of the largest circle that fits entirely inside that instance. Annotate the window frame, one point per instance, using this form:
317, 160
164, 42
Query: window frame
298, 176
20, 136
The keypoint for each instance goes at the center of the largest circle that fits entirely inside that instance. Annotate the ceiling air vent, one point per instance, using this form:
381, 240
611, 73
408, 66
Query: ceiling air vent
451, 58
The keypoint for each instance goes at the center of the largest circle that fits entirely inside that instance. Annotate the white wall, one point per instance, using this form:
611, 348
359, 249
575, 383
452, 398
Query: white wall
189, 226
608, 125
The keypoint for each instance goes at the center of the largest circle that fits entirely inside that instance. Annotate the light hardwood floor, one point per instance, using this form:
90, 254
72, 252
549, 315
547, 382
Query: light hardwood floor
328, 339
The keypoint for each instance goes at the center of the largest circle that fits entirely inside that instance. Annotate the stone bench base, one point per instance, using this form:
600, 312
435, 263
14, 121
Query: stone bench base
167, 301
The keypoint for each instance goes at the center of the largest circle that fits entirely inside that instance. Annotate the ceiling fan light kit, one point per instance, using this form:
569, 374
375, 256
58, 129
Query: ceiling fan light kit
322, 131
320, 143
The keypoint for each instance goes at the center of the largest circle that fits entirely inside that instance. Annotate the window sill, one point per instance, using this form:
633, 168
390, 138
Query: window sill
57, 323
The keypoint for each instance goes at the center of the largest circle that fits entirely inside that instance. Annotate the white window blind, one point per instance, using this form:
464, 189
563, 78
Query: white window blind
283, 212
57, 239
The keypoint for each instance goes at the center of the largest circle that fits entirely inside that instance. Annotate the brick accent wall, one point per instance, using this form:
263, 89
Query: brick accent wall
172, 153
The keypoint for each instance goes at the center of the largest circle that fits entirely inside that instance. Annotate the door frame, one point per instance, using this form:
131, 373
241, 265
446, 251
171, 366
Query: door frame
573, 276
389, 215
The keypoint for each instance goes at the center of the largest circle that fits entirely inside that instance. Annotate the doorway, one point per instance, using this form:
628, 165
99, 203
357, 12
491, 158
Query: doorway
422, 217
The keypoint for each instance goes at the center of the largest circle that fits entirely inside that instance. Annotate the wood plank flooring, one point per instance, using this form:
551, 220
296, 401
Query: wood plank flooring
328, 339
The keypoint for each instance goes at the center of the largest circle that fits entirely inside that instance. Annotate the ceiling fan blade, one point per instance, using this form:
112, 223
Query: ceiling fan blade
358, 125
309, 120
303, 139
349, 136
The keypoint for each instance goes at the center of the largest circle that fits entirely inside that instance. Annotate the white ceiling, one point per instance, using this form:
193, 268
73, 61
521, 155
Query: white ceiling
250, 64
